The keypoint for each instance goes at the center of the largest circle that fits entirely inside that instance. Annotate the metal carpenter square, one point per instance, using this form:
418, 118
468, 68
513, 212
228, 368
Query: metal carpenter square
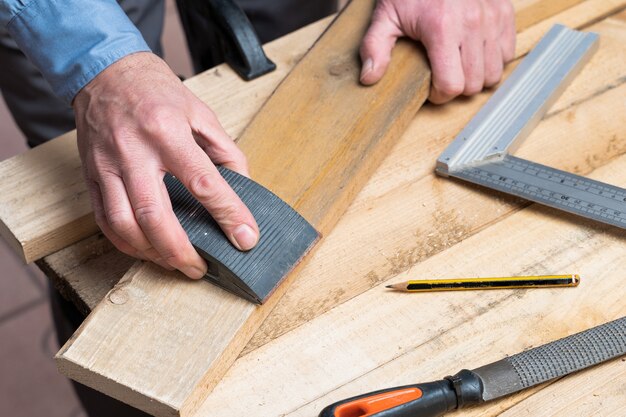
480, 153
285, 238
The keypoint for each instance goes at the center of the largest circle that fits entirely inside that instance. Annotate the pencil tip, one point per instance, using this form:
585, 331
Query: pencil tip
388, 286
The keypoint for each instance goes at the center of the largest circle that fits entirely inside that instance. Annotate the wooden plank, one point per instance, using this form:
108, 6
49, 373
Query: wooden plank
400, 262
408, 200
586, 121
529, 12
75, 270
131, 351
430, 127
43, 189
85, 273
381, 338
420, 220
44, 206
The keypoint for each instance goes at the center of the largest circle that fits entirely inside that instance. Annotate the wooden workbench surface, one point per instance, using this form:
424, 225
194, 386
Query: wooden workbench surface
338, 332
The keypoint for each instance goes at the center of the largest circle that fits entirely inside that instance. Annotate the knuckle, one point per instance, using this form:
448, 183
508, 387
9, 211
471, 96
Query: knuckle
224, 209
227, 215
202, 186
157, 120
449, 88
235, 156
149, 215
507, 11
473, 88
440, 23
209, 114
492, 76
120, 222
491, 16
473, 18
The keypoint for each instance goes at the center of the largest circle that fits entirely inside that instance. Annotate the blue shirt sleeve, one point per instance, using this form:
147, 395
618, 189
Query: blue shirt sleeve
70, 41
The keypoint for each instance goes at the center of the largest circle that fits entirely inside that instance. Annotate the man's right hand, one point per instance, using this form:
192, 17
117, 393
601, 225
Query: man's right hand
135, 122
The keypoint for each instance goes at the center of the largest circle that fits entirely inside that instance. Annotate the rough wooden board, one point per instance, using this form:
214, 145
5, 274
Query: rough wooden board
574, 122
35, 217
420, 220
567, 119
44, 205
382, 338
434, 126
72, 268
85, 273
529, 12
581, 15
230, 93
43, 190
168, 362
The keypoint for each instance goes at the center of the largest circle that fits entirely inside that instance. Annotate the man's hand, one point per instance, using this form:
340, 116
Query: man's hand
136, 121
467, 41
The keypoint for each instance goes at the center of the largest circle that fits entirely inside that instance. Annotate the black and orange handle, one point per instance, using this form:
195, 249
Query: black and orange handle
429, 399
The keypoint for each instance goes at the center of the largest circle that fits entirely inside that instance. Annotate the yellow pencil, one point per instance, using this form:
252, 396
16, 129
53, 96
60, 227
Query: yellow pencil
461, 284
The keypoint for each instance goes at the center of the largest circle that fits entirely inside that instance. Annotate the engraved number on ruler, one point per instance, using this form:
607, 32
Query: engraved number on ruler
557, 199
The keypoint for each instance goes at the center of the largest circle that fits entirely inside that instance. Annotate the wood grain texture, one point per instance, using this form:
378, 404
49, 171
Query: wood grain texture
381, 338
223, 90
44, 206
372, 341
449, 224
420, 220
85, 272
314, 150
43, 200
410, 244
234, 102
529, 12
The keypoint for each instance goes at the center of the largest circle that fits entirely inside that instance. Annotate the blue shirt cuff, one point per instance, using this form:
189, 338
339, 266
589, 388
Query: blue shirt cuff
72, 41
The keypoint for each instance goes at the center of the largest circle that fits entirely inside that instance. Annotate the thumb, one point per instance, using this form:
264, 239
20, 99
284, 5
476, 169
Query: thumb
376, 47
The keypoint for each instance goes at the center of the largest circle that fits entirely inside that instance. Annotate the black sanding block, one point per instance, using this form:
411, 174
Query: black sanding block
285, 238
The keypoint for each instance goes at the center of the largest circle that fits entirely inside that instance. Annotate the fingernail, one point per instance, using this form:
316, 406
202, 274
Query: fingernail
193, 272
368, 65
244, 237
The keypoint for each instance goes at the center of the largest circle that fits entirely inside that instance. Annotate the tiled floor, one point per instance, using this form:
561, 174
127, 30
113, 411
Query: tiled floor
30, 385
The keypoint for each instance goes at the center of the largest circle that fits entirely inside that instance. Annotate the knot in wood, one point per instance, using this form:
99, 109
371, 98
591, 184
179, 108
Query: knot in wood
342, 68
118, 296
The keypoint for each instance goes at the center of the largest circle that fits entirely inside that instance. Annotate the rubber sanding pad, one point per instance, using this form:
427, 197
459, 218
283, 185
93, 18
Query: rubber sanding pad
285, 238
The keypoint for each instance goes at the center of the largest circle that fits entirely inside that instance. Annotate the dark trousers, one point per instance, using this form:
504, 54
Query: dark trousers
41, 116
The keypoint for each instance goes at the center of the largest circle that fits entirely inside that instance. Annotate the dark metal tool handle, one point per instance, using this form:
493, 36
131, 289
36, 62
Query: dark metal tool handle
225, 23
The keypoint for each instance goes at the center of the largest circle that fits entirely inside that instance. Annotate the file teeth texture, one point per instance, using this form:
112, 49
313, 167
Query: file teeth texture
522, 100
571, 353
285, 237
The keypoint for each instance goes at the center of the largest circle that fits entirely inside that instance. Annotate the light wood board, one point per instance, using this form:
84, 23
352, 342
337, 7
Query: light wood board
391, 249
391, 254
223, 90
381, 338
314, 143
191, 300
44, 206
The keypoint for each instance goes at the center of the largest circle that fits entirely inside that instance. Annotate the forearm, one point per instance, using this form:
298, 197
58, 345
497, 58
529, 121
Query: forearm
70, 41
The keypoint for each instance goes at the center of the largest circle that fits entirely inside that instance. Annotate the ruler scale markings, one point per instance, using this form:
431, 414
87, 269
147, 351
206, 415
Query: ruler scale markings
582, 197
